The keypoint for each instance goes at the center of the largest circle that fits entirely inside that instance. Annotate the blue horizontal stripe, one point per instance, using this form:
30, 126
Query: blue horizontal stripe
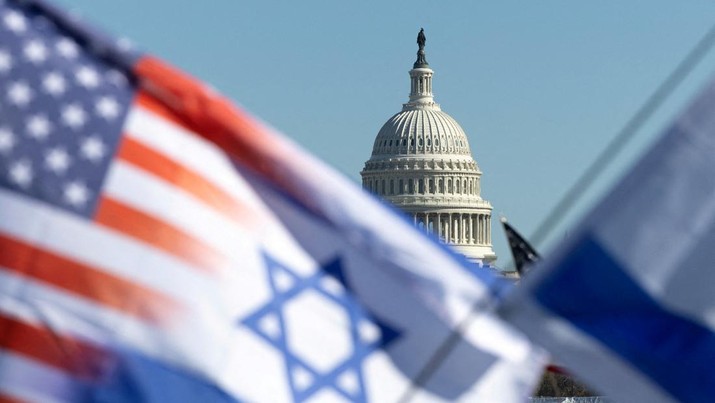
591, 290
137, 378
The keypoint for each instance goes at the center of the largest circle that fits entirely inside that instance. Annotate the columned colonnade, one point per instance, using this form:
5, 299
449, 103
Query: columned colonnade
456, 228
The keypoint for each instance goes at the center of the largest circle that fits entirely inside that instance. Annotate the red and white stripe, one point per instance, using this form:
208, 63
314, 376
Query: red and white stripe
28, 380
156, 271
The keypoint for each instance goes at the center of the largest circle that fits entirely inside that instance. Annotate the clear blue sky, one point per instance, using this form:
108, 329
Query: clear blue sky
539, 86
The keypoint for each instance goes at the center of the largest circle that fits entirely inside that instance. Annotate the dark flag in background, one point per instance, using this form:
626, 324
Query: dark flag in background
523, 253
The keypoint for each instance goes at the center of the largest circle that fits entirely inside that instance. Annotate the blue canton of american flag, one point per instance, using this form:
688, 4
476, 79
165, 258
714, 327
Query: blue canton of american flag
62, 113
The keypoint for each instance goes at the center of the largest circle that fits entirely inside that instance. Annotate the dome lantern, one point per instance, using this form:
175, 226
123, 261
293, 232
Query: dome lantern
421, 80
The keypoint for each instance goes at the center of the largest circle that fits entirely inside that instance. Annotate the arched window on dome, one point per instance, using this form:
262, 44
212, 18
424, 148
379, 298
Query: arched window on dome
429, 141
392, 186
383, 187
449, 186
401, 188
421, 186
411, 186
431, 185
440, 185
419, 142
436, 142
412, 142
471, 186
456, 186
464, 186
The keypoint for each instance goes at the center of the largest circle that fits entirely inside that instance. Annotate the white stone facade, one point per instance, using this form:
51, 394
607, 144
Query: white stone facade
421, 163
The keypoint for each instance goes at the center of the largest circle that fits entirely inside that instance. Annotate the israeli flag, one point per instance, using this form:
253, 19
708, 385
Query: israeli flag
365, 308
628, 301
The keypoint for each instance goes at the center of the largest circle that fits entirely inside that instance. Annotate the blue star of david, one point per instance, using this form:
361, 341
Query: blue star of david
361, 349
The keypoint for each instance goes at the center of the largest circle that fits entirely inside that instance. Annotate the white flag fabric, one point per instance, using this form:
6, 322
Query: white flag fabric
398, 283
159, 244
628, 301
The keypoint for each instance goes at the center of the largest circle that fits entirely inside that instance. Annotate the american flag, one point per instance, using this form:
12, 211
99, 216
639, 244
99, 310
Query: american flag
113, 215
157, 243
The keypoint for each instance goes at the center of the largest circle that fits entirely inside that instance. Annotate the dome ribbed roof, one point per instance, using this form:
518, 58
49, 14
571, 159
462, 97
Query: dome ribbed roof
421, 131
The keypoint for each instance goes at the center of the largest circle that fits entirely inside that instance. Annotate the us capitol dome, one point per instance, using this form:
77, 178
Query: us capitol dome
421, 163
